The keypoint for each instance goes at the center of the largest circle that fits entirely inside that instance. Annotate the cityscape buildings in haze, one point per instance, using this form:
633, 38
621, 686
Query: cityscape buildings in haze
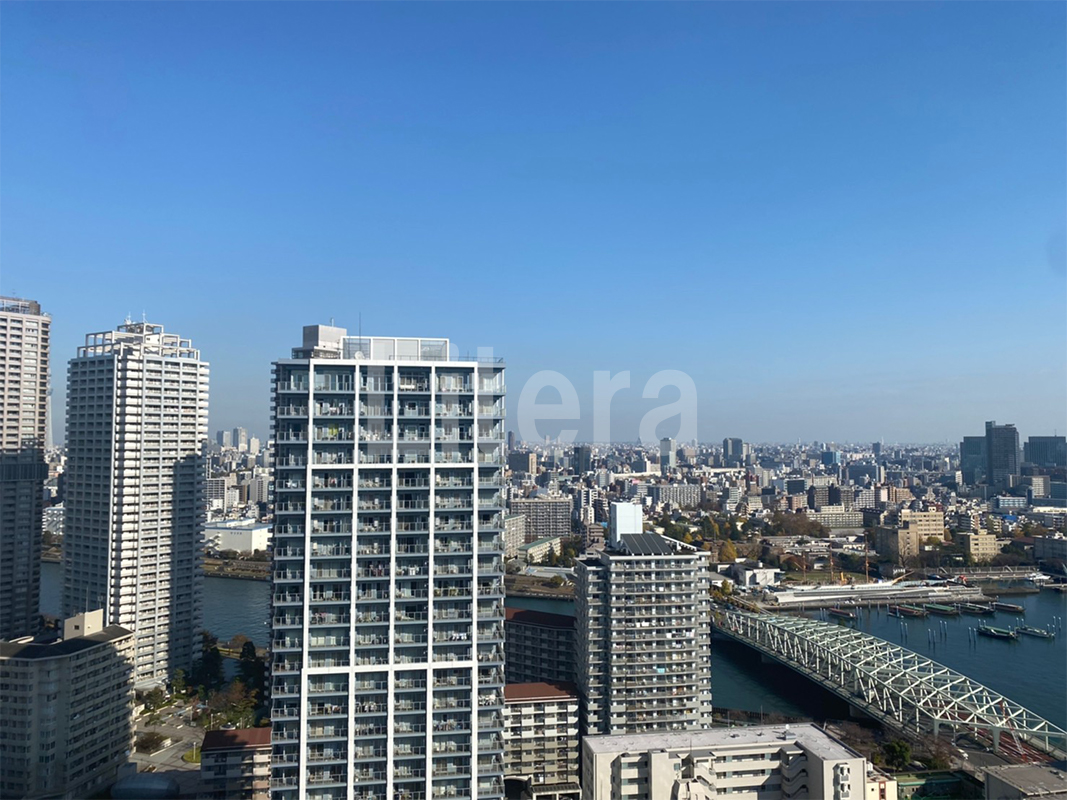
387, 631
24, 360
137, 421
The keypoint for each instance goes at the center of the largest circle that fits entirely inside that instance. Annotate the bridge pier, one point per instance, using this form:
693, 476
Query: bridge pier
856, 713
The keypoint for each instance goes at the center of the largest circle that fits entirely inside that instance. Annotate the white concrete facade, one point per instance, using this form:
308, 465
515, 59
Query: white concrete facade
758, 763
388, 585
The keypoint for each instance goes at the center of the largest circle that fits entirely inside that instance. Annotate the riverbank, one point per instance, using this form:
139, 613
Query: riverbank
241, 570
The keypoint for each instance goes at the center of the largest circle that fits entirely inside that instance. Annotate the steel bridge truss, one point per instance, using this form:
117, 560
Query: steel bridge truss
893, 684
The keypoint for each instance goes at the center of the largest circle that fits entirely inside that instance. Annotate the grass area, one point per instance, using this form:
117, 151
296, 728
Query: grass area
824, 577
532, 585
192, 756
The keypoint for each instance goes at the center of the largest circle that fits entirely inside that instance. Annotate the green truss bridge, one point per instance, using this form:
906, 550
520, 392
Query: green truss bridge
896, 686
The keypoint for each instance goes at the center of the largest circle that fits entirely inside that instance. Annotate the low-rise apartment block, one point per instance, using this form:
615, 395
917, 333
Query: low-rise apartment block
541, 741
236, 765
762, 762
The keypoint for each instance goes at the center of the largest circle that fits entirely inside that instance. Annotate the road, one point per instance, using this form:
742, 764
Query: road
168, 761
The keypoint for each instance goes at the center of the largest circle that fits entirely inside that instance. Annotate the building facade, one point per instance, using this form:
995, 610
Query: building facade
388, 587
762, 762
137, 422
65, 710
24, 360
538, 647
236, 764
1002, 454
643, 626
546, 515
541, 757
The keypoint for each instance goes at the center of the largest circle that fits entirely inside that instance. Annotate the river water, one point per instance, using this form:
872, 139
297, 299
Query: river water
1030, 671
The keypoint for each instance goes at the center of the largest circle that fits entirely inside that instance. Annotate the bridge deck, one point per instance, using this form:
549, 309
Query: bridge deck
895, 684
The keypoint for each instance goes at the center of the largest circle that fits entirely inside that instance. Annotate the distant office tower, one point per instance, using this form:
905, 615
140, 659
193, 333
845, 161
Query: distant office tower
253, 446
582, 460
831, 458
65, 716
1002, 453
239, 439
1045, 451
24, 354
224, 438
877, 449
973, 459
643, 614
388, 590
668, 457
546, 516
733, 452
522, 461
511, 441
137, 420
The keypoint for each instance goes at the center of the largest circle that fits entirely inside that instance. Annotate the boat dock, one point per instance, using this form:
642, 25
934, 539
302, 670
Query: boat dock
869, 595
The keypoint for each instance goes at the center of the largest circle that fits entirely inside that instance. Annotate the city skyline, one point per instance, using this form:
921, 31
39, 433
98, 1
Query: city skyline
838, 232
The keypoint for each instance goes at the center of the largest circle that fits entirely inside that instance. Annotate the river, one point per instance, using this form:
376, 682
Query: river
1030, 671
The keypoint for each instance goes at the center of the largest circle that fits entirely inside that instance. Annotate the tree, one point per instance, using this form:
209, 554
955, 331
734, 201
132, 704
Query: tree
898, 753
556, 581
178, 682
150, 742
251, 667
727, 551
209, 670
154, 698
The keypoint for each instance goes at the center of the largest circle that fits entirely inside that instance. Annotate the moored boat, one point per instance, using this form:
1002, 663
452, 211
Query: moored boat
995, 633
975, 609
1038, 633
941, 610
1012, 607
906, 611
842, 613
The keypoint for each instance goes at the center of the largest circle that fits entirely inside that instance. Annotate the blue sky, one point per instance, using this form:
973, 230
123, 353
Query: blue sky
844, 221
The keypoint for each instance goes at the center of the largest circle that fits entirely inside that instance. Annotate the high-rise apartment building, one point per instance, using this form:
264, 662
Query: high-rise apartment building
65, 710
546, 515
137, 417
1002, 453
388, 588
24, 354
643, 613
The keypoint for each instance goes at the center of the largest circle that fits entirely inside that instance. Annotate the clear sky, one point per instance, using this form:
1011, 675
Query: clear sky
845, 221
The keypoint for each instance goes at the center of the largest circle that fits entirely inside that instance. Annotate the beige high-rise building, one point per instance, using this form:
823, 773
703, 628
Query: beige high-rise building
65, 710
24, 357
137, 422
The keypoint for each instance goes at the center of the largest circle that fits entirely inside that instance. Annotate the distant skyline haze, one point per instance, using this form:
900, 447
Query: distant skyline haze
844, 222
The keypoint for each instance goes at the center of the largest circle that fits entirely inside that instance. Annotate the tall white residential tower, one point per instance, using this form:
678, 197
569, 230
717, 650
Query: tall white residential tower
387, 644
137, 420
24, 348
